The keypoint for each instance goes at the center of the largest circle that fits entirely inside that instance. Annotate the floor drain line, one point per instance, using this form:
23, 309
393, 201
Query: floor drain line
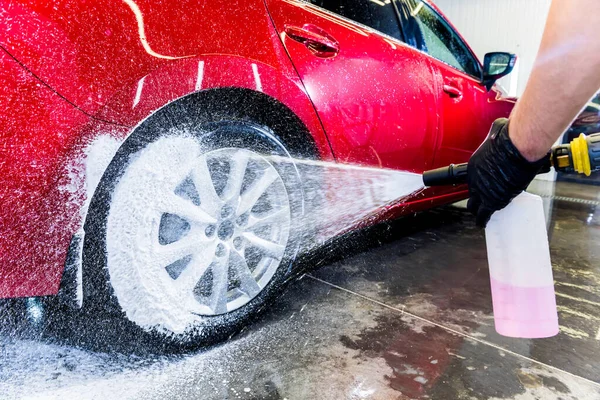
454, 331
572, 200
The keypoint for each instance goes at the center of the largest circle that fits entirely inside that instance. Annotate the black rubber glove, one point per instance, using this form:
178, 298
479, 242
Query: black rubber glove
497, 173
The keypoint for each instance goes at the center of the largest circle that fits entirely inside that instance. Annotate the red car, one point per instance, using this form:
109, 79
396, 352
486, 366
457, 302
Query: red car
133, 137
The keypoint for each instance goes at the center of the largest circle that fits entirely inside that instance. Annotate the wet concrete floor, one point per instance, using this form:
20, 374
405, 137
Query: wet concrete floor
400, 311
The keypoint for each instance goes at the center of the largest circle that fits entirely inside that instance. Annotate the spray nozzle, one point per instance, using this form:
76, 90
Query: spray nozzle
454, 174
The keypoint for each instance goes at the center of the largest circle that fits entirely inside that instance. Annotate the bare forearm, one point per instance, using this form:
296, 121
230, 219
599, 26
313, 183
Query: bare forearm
565, 76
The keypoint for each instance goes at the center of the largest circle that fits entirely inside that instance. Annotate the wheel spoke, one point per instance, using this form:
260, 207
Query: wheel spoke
169, 253
248, 284
209, 200
253, 193
275, 217
269, 248
237, 169
185, 209
218, 297
193, 272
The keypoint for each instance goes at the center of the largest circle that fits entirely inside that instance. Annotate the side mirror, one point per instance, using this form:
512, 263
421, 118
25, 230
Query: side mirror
496, 65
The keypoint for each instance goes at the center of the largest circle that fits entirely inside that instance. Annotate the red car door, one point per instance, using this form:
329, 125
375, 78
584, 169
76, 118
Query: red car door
373, 93
466, 114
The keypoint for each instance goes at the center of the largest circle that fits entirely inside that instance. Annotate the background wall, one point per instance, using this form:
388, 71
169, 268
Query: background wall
501, 25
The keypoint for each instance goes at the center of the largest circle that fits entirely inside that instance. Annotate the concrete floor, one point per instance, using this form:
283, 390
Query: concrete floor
402, 311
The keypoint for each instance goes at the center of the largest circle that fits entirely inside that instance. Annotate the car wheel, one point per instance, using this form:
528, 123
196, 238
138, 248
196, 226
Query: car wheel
193, 229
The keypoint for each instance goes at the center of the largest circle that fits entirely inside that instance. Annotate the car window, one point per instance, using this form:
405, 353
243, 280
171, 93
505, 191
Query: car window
430, 33
376, 14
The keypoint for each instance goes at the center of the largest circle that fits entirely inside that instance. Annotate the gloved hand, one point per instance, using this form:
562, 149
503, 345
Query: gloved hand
497, 173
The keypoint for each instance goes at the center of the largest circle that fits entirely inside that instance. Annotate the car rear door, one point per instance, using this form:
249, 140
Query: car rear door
465, 118
373, 93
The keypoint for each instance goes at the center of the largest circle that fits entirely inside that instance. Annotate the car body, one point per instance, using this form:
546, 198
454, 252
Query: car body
78, 78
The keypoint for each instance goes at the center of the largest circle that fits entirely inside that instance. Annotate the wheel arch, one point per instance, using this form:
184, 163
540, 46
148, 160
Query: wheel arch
138, 100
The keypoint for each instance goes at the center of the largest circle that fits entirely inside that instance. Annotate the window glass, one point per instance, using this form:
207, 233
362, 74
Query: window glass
498, 64
431, 34
376, 14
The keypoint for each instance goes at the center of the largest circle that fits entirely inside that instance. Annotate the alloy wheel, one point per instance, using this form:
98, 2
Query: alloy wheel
202, 232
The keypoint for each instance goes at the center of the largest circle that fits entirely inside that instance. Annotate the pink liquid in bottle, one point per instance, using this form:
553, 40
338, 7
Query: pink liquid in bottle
520, 270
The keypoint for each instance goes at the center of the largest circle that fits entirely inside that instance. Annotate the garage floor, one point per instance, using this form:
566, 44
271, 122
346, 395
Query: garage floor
402, 311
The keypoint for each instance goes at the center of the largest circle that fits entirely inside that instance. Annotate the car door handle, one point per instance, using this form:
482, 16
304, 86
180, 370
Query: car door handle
452, 91
315, 39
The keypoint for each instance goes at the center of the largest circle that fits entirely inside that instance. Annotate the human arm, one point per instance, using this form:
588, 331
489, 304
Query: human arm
565, 76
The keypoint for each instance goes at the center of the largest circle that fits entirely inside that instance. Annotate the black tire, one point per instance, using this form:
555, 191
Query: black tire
236, 124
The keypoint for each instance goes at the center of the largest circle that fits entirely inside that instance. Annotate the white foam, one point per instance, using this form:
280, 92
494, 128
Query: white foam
140, 283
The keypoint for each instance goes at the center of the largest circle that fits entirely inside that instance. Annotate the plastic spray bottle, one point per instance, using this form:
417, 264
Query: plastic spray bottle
520, 270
